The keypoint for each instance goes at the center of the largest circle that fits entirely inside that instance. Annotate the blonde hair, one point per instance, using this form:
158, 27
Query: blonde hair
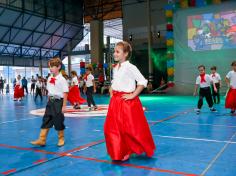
55, 61
126, 48
63, 73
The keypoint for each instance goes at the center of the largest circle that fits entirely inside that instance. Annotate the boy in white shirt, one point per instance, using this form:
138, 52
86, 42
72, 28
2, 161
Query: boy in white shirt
90, 88
39, 86
57, 97
217, 80
204, 81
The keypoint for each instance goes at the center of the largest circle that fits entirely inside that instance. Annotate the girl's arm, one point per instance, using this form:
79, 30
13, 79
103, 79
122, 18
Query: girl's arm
141, 83
110, 91
137, 91
227, 81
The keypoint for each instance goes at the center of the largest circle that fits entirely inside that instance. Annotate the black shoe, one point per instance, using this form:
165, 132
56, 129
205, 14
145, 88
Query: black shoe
76, 106
232, 111
213, 110
95, 107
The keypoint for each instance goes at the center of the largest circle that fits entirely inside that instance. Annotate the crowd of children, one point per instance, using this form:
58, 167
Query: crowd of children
210, 88
122, 139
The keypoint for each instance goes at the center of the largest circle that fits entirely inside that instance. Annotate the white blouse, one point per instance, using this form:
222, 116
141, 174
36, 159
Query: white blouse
232, 77
19, 82
75, 81
125, 77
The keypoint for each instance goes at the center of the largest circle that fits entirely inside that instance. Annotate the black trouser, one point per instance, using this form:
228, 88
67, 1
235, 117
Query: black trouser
32, 87
205, 92
26, 88
81, 89
53, 115
216, 94
38, 92
89, 94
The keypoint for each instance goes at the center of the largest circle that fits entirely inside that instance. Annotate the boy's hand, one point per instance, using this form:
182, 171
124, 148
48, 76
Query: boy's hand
215, 89
94, 90
63, 110
84, 90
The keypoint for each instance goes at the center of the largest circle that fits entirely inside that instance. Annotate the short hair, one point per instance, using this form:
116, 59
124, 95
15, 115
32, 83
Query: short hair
213, 68
73, 73
55, 61
126, 48
202, 66
233, 63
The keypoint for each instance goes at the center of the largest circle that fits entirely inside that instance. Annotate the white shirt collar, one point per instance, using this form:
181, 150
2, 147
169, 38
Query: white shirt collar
124, 63
59, 75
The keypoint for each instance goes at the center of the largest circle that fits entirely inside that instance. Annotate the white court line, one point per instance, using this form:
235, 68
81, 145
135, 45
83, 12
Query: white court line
217, 156
204, 124
12, 121
195, 139
83, 148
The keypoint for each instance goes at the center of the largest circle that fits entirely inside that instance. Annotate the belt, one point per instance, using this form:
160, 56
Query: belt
205, 88
55, 98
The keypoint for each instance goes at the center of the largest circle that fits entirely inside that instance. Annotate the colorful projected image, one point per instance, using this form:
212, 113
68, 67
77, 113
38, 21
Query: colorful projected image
212, 31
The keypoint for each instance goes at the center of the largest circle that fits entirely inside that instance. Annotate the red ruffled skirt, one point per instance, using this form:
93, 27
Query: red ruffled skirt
126, 129
74, 96
18, 92
230, 101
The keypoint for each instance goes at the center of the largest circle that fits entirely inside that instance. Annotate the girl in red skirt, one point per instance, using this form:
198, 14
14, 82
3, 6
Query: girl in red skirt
230, 79
126, 129
74, 94
18, 89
